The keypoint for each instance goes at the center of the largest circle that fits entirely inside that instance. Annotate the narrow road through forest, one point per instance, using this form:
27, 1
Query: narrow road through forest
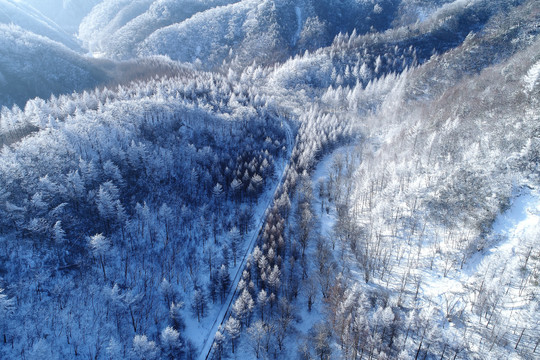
225, 310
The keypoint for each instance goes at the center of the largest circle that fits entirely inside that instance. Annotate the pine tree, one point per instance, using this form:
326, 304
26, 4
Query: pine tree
166, 217
224, 281
177, 319
6, 308
233, 327
219, 339
262, 300
235, 238
243, 307
170, 342
106, 199
144, 349
100, 246
198, 304
59, 233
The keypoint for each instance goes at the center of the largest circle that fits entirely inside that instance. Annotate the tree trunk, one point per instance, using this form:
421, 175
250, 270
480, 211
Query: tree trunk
133, 320
103, 267
520, 336
443, 351
419, 348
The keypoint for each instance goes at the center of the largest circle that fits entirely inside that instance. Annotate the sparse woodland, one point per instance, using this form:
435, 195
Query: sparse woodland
366, 192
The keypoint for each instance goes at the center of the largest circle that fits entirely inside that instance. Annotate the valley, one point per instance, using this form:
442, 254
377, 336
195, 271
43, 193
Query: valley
269, 179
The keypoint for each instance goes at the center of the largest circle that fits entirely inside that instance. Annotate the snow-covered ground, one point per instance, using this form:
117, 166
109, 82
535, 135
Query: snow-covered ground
516, 226
521, 221
485, 288
326, 218
454, 289
518, 222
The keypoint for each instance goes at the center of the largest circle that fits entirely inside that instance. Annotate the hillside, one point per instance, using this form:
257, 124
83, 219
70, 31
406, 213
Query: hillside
172, 165
289, 179
25, 16
35, 66
216, 31
66, 14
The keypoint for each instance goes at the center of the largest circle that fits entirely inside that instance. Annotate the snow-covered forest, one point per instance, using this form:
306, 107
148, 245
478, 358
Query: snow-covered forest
269, 179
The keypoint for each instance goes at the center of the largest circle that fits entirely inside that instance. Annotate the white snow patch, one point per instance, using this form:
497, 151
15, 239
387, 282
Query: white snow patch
521, 221
98, 54
532, 76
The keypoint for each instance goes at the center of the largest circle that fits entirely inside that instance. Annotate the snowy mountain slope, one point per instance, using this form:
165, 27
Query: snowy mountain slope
21, 14
39, 58
263, 31
67, 14
435, 208
130, 23
35, 66
441, 148
285, 27
356, 58
126, 211
412, 11
32, 65
115, 28
214, 149
418, 216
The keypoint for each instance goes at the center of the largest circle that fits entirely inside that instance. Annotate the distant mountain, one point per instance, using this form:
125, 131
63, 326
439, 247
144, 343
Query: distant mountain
116, 27
39, 59
361, 58
211, 32
32, 65
23, 15
35, 66
66, 13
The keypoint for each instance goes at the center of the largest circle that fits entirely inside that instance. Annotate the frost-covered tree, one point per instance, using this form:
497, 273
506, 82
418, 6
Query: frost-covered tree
100, 246
217, 346
59, 233
144, 349
256, 335
262, 301
243, 307
235, 239
170, 342
224, 281
233, 328
198, 304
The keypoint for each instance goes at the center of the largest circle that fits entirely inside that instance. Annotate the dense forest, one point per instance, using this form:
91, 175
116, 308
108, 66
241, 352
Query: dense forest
270, 179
